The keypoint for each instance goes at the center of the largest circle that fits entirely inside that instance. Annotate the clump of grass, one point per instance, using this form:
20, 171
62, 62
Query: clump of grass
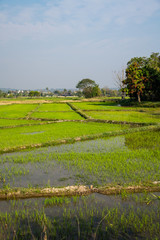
56, 201
80, 112
147, 139
86, 219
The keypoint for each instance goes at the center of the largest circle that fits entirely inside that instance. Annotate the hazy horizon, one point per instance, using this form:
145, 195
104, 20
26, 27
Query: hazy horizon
56, 43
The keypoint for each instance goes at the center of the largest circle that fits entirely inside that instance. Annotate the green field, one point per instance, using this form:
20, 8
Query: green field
15, 122
76, 151
126, 116
54, 107
126, 160
16, 110
29, 135
57, 115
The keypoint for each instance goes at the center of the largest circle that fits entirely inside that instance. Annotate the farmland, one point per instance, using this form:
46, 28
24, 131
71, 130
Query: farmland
95, 166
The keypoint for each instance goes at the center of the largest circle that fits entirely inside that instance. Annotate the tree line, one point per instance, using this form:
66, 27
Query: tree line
140, 81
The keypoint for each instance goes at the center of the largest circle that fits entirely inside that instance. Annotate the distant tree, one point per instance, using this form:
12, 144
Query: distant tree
57, 92
2, 94
34, 94
110, 92
70, 93
84, 83
79, 93
89, 88
119, 78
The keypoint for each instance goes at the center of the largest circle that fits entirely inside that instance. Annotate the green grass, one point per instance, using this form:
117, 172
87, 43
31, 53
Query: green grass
95, 105
54, 107
128, 116
16, 110
149, 140
57, 115
88, 217
126, 160
112, 105
8, 122
53, 99
119, 160
19, 136
125, 168
131, 103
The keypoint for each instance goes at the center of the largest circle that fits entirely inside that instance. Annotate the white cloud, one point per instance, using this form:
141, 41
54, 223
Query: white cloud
72, 17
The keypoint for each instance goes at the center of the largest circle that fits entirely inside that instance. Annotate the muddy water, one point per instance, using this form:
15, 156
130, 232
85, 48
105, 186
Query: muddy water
110, 217
95, 200
52, 173
32, 133
48, 171
37, 175
104, 145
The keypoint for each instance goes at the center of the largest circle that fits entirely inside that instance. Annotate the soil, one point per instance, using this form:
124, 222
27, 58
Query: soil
75, 190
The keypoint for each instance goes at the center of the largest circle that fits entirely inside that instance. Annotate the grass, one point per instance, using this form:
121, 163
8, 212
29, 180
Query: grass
130, 159
9, 122
54, 107
20, 136
119, 160
81, 218
57, 115
95, 105
146, 104
16, 110
148, 140
128, 116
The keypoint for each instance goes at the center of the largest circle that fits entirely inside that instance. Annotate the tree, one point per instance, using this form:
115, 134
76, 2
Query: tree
2, 94
119, 78
154, 61
135, 80
89, 88
152, 88
84, 83
34, 94
143, 78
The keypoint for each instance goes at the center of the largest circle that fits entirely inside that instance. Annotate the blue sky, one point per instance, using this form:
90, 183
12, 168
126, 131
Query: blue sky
56, 43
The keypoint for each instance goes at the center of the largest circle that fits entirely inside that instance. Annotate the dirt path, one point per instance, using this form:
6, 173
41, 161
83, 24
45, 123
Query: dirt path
20, 193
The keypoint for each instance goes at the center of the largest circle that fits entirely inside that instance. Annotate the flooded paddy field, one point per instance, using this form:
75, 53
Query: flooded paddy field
133, 216
122, 160
19, 137
114, 156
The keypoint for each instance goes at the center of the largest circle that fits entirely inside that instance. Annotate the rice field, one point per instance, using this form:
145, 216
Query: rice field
57, 145
16, 110
60, 107
126, 116
98, 162
56, 115
85, 217
14, 122
41, 134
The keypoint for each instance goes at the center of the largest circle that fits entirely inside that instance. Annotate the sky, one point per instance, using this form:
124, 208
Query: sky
57, 43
